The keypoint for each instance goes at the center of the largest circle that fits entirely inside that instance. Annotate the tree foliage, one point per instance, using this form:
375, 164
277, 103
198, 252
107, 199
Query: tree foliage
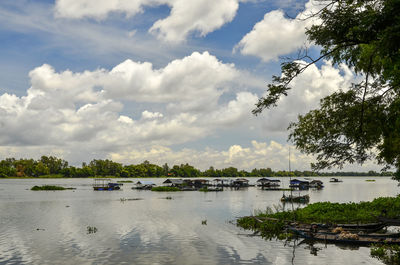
363, 121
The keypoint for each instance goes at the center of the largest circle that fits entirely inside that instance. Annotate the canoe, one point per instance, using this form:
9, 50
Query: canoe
339, 239
359, 233
370, 227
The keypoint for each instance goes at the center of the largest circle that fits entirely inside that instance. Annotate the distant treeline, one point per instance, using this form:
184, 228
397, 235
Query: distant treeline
50, 165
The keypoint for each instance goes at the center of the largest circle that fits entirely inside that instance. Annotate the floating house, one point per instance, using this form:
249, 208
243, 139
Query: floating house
105, 184
299, 184
219, 182
269, 183
199, 183
144, 185
240, 182
316, 184
174, 182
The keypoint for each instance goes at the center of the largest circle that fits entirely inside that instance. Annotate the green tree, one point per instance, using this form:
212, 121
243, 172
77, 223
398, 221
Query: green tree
362, 122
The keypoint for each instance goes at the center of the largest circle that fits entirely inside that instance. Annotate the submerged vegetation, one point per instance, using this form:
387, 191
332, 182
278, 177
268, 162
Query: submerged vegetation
388, 254
91, 229
50, 187
165, 188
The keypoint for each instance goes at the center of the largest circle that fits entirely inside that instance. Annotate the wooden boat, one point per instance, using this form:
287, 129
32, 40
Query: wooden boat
346, 238
389, 221
338, 230
366, 228
335, 180
299, 199
316, 184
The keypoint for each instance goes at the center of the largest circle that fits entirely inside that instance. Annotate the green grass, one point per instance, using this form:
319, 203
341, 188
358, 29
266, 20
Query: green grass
388, 254
124, 181
323, 212
50, 187
165, 188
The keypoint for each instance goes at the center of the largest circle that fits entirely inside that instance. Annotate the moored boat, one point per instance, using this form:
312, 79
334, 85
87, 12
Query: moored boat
346, 238
335, 180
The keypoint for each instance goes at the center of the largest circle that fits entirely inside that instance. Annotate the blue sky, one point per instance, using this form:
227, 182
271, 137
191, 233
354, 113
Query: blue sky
161, 80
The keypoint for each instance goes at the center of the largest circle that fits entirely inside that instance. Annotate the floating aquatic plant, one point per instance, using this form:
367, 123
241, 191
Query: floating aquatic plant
50, 187
91, 229
165, 188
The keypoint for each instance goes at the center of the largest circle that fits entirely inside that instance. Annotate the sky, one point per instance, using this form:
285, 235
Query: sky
168, 81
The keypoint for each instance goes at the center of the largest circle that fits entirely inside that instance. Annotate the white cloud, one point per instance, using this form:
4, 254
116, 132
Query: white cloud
98, 8
151, 115
192, 78
277, 35
256, 155
307, 90
83, 112
202, 16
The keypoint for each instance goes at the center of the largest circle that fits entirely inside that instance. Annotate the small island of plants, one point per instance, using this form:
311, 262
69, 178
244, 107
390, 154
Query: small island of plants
165, 188
50, 187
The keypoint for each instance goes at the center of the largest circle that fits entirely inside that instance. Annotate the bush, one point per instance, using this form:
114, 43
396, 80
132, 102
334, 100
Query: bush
49, 187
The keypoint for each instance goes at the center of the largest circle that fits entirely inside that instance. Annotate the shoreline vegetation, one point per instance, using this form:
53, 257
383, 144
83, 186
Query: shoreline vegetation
279, 223
273, 223
53, 167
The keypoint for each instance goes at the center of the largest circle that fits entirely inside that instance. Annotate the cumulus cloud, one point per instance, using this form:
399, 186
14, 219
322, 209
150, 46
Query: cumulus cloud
307, 90
98, 8
257, 155
84, 111
83, 115
277, 35
202, 16
192, 78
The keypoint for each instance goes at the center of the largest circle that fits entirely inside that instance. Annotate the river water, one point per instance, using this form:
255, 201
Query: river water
50, 227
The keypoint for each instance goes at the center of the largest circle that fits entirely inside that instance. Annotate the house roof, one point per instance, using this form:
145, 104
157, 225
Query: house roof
173, 181
268, 180
145, 182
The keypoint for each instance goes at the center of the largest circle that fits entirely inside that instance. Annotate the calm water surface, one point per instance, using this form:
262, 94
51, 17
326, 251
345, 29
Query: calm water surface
156, 230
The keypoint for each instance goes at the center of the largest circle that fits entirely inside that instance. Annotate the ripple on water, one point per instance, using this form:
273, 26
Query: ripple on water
156, 231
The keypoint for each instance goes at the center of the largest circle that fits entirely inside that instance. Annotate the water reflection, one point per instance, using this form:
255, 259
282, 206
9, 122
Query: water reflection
156, 230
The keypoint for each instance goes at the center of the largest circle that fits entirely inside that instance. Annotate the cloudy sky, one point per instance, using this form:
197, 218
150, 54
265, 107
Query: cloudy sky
160, 80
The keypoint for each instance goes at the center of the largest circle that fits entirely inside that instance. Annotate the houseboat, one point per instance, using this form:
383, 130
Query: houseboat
268, 183
144, 185
299, 184
316, 184
105, 184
